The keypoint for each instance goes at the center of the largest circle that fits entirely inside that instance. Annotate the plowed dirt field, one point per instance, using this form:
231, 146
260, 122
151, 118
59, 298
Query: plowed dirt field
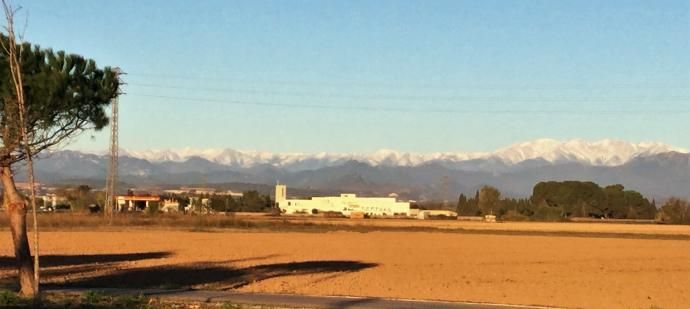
567, 271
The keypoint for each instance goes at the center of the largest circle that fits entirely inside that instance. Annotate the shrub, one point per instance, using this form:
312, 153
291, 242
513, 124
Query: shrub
138, 301
675, 211
93, 297
512, 215
9, 298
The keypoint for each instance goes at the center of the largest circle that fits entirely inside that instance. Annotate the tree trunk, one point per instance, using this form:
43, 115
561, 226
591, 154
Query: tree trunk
15, 206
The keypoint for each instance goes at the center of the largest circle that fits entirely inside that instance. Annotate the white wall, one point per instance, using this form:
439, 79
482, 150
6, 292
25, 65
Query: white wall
345, 204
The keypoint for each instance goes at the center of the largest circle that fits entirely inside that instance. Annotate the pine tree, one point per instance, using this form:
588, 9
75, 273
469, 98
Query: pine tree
463, 206
64, 95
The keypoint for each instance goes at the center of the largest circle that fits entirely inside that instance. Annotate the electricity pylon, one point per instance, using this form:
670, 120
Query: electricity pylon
111, 179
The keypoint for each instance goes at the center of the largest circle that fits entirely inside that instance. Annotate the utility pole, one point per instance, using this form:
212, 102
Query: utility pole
445, 186
111, 180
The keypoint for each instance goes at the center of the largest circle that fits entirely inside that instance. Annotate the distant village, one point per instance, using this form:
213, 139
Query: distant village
551, 201
209, 200
85, 198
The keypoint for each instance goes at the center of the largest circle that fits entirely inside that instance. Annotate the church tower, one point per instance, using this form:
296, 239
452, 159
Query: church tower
281, 193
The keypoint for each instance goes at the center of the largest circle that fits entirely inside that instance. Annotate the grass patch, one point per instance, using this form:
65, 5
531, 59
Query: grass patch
98, 299
89, 299
9, 298
92, 297
216, 223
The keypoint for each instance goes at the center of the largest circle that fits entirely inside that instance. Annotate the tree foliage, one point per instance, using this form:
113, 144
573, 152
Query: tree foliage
251, 201
575, 198
64, 93
79, 197
675, 211
489, 200
555, 201
467, 207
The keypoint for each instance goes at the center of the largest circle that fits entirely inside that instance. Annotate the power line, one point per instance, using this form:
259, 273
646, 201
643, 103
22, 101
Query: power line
413, 98
410, 110
378, 84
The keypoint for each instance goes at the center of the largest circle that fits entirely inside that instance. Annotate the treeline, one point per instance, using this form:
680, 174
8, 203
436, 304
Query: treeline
80, 197
250, 201
555, 201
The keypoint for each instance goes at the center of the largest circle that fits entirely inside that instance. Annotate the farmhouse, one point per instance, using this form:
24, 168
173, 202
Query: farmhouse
135, 202
345, 204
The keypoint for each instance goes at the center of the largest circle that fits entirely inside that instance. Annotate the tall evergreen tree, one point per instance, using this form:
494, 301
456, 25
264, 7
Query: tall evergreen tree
64, 95
463, 206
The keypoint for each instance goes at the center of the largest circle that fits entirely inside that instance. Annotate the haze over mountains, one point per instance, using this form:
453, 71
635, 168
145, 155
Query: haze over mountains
655, 169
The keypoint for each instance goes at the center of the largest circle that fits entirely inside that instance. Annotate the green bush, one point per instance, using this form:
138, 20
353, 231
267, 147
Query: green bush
129, 302
93, 297
9, 298
98, 299
512, 215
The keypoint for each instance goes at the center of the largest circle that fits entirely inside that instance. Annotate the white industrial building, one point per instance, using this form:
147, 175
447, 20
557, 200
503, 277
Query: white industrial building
345, 204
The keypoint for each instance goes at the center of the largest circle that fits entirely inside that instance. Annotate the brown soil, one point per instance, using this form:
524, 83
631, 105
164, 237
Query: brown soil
515, 269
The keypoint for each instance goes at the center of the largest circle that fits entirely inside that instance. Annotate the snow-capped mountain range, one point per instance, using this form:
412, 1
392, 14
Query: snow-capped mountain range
596, 153
655, 169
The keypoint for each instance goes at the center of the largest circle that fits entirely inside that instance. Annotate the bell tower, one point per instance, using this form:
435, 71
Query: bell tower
281, 193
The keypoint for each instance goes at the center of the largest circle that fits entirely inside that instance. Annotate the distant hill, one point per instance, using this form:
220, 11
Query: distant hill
650, 168
600, 153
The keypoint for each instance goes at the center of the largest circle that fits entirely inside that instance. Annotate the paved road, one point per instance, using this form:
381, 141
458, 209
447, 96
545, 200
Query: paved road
295, 301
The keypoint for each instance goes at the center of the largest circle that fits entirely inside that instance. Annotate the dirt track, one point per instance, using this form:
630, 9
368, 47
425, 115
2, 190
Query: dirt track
542, 270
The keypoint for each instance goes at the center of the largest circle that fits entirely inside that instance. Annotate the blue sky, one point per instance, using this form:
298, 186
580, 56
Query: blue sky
356, 76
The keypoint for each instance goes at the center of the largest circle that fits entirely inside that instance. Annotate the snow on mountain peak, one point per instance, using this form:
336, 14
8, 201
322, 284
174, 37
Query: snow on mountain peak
606, 152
